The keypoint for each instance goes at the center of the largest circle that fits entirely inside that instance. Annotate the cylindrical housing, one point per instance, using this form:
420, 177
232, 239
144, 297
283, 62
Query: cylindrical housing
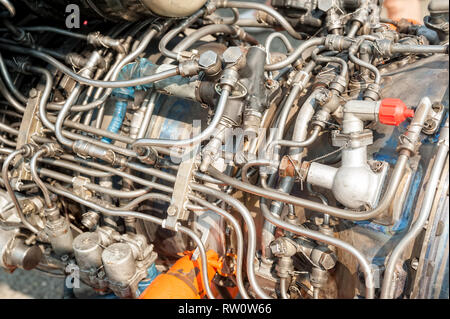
87, 250
60, 236
321, 175
119, 263
14, 253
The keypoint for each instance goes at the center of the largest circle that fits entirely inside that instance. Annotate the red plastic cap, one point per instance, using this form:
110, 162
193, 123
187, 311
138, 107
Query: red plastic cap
393, 112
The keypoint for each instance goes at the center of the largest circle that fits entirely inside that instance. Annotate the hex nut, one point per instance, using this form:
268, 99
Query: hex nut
232, 55
208, 59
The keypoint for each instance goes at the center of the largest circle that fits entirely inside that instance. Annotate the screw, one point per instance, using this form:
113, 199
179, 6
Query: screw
172, 210
33, 93
437, 107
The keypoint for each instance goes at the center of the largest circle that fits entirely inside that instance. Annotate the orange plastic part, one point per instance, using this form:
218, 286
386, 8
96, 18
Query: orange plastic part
184, 279
393, 112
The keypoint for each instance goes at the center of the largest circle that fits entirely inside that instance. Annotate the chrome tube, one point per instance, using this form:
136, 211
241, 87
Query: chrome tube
9, 189
251, 229
302, 231
440, 160
239, 236
196, 139
149, 218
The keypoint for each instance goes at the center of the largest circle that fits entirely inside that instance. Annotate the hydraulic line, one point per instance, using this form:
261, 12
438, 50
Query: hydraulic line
295, 55
314, 206
427, 204
5, 92
302, 231
196, 139
9, 189
145, 217
251, 229
33, 170
173, 33
83, 80
239, 236
113, 192
261, 7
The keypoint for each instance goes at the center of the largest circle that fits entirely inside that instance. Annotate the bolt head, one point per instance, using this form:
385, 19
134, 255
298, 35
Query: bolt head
232, 55
208, 59
171, 211
328, 260
33, 93
325, 5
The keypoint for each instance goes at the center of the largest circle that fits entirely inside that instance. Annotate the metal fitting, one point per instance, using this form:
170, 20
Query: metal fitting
288, 167
59, 233
148, 155
283, 247
52, 149
229, 77
234, 56
336, 42
99, 40
318, 277
85, 149
372, 92
90, 219
189, 68
210, 62
14, 253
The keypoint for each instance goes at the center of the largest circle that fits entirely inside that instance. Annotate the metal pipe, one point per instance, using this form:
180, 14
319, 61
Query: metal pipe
251, 229
261, 7
5, 169
108, 191
5, 92
196, 139
149, 218
318, 207
172, 33
424, 49
302, 231
427, 204
77, 168
63, 114
310, 140
84, 80
239, 237
283, 288
294, 56
33, 169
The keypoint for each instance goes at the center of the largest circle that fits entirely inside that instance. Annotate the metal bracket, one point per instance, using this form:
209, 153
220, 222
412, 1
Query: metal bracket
353, 140
177, 209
